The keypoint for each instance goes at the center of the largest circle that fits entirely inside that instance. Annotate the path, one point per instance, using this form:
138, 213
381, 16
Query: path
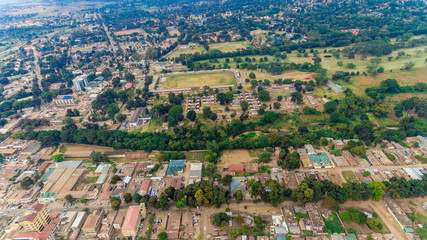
112, 43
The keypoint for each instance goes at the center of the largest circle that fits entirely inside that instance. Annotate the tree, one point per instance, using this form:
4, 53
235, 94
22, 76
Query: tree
297, 97
127, 197
162, 236
137, 198
252, 75
121, 117
244, 105
238, 195
191, 115
409, 65
129, 77
265, 157
152, 53
115, 179
277, 105
26, 182
98, 157
264, 95
377, 190
219, 218
303, 193
58, 157
374, 224
390, 86
116, 82
112, 109
69, 198
115, 203
227, 179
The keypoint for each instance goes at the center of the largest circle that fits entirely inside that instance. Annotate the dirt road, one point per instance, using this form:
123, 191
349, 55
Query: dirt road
384, 214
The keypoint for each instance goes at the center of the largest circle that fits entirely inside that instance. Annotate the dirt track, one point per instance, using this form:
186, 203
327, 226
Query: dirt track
384, 214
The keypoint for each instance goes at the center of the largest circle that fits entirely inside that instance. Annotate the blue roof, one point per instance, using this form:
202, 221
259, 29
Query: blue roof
281, 237
237, 183
176, 163
68, 97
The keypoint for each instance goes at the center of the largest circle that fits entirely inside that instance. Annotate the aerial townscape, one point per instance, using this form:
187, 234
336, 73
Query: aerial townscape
213, 119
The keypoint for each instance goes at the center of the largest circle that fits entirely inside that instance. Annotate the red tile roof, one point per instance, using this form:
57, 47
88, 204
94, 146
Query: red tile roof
29, 217
236, 168
131, 218
145, 185
37, 207
24, 235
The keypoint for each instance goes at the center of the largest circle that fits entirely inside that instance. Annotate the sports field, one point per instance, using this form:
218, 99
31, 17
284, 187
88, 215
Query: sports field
229, 46
198, 80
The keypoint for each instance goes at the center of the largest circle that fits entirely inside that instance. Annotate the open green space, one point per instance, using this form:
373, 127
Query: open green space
350, 177
186, 50
229, 46
199, 80
333, 224
197, 156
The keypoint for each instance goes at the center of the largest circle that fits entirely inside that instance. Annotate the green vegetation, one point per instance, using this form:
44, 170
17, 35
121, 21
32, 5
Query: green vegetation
198, 80
333, 224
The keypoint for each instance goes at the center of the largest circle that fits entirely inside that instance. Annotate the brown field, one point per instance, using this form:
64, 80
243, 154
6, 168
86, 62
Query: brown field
128, 32
295, 75
73, 148
235, 157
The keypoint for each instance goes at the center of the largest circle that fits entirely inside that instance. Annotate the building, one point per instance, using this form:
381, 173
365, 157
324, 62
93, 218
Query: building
175, 166
321, 160
102, 168
37, 220
80, 82
139, 116
236, 168
93, 223
196, 170
78, 222
131, 222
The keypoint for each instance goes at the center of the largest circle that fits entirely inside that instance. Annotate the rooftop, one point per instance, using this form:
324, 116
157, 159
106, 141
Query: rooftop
131, 218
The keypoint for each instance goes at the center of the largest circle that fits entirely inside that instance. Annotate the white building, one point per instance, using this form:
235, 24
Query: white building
80, 82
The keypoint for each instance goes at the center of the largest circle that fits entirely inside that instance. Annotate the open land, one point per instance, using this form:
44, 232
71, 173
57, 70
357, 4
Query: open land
198, 80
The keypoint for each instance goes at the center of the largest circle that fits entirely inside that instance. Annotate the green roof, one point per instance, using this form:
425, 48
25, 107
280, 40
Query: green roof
320, 157
46, 175
173, 170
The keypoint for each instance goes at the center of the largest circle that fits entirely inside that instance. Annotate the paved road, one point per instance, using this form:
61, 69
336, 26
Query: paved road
37, 66
112, 43
379, 167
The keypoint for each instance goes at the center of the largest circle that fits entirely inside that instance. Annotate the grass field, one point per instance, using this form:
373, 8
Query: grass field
229, 46
189, 50
350, 177
199, 80
333, 224
197, 156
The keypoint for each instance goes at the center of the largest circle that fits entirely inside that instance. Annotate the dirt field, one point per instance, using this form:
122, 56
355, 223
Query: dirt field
235, 157
198, 80
82, 149
295, 75
128, 32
